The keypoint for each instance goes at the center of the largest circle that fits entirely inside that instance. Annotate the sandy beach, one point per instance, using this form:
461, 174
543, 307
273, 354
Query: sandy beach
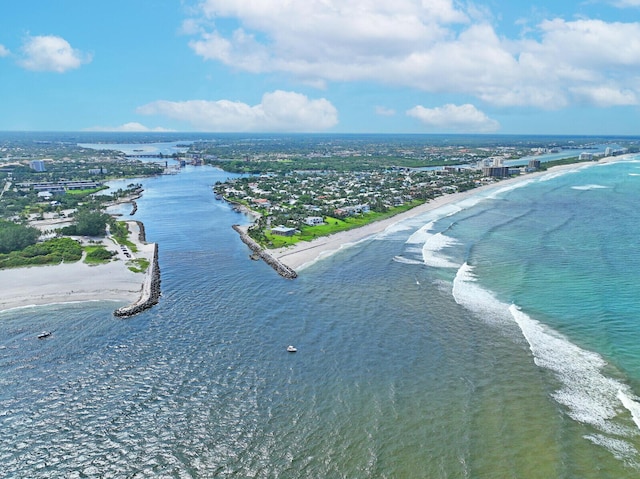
77, 282
303, 254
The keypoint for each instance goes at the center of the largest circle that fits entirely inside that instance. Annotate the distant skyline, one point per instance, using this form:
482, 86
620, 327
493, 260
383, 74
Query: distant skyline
335, 66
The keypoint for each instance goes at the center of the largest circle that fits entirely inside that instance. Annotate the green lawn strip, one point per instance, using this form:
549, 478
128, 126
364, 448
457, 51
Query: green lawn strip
86, 192
335, 225
138, 265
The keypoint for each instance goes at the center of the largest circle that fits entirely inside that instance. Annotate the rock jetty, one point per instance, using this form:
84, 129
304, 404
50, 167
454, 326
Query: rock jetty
150, 289
282, 269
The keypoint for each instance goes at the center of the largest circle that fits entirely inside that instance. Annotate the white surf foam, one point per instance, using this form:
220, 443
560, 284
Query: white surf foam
469, 294
402, 259
513, 186
432, 244
632, 403
421, 235
588, 395
589, 187
620, 448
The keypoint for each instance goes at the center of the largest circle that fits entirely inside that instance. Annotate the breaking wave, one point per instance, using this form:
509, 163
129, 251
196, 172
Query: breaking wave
589, 187
587, 394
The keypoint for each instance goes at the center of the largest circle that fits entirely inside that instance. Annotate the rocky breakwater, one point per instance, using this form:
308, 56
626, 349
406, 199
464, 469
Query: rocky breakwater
150, 294
282, 269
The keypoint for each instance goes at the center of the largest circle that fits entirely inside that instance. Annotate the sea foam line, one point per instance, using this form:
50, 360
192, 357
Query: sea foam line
432, 243
589, 187
589, 396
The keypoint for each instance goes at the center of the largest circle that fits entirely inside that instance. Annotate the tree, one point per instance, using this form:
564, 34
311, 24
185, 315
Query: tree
91, 223
15, 237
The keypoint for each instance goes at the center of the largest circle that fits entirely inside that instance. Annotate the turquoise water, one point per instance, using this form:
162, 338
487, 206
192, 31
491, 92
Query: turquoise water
558, 258
494, 338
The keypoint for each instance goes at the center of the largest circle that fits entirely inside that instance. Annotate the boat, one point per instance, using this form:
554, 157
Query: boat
291, 349
44, 334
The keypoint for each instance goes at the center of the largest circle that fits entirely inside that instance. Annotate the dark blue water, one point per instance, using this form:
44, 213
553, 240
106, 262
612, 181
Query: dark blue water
394, 376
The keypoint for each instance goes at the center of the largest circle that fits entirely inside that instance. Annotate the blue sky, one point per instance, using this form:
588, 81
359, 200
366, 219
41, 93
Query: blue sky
349, 66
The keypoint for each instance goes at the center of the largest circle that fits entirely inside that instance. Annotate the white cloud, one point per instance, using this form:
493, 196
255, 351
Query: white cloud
127, 127
51, 53
433, 46
278, 111
384, 111
4, 51
458, 118
626, 3
606, 96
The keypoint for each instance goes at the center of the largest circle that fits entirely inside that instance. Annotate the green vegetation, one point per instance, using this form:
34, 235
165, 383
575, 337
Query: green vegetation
88, 222
120, 234
565, 161
331, 225
138, 265
53, 251
86, 192
14, 236
97, 254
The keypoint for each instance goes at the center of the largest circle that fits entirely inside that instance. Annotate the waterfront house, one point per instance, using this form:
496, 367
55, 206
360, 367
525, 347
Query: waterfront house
283, 231
314, 220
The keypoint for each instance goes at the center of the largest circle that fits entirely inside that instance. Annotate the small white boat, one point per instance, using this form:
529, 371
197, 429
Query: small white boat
291, 349
44, 334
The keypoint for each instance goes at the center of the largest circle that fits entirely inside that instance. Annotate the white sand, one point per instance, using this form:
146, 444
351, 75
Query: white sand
74, 282
305, 253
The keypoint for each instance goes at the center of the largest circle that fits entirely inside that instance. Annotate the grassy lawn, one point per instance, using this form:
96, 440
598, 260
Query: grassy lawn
138, 265
86, 192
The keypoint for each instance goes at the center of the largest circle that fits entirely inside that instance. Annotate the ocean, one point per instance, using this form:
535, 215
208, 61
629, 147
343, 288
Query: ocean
497, 337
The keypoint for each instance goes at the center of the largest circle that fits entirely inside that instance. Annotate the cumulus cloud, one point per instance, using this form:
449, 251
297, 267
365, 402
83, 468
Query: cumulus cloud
51, 53
458, 118
278, 111
434, 46
4, 51
128, 127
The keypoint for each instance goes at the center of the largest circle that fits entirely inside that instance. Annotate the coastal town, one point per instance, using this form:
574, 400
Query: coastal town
301, 204
287, 203
296, 187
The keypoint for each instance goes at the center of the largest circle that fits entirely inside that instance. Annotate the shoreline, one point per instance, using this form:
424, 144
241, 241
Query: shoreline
303, 254
66, 283
34, 286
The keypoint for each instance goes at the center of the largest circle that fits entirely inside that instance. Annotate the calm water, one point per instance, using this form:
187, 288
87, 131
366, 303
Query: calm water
496, 338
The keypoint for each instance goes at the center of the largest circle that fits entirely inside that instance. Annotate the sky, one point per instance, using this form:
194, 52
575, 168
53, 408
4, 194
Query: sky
341, 66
